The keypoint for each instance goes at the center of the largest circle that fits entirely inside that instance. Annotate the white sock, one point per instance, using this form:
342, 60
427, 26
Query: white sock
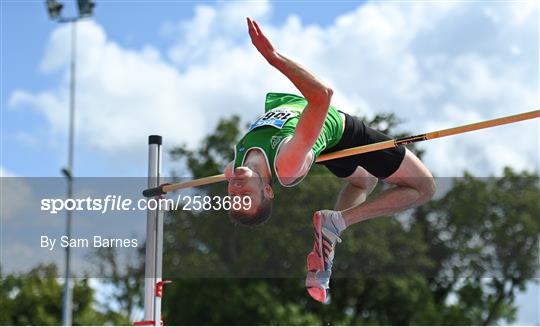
339, 222
336, 222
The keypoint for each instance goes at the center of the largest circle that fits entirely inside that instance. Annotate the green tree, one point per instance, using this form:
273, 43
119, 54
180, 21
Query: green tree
483, 227
35, 298
124, 278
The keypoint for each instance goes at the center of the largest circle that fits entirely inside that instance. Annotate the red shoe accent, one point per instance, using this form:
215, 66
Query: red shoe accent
317, 294
313, 262
318, 244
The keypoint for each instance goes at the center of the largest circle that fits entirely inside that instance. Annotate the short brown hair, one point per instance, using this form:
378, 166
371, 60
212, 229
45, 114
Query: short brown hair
262, 214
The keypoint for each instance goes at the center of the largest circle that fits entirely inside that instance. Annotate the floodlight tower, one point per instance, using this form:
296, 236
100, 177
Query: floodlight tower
54, 8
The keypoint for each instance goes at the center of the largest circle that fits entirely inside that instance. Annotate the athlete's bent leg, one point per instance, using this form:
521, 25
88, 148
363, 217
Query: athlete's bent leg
413, 186
356, 190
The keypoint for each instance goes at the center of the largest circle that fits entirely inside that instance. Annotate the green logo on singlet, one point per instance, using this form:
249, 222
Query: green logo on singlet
275, 140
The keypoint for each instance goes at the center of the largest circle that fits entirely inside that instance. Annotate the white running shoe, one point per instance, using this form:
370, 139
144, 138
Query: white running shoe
319, 260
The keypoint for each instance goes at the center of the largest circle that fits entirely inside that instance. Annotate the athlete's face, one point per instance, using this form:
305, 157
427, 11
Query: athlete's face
248, 183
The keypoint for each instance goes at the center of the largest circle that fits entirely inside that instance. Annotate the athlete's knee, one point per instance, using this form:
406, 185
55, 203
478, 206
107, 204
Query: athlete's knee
426, 187
366, 184
361, 179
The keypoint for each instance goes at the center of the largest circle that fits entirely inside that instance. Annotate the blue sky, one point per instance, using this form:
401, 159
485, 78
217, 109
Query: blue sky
132, 25
412, 59
175, 68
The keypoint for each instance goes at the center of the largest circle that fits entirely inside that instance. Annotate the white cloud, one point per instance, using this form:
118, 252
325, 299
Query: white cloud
436, 64
212, 30
5, 173
120, 93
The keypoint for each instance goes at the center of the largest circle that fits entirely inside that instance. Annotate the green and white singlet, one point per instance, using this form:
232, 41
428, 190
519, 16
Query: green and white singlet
278, 124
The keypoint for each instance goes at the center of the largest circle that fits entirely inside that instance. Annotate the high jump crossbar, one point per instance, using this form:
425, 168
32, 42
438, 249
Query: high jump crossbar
153, 283
165, 188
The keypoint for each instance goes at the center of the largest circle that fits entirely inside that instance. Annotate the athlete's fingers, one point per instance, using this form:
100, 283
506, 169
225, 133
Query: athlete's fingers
251, 27
260, 34
257, 28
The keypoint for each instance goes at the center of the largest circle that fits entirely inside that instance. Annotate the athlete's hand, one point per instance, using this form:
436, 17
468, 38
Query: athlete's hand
260, 41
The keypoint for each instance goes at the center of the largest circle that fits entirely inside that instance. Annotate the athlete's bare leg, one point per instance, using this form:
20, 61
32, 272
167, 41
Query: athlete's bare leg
413, 186
357, 188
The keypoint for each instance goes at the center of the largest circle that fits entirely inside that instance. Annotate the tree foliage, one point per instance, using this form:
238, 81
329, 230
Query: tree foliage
35, 298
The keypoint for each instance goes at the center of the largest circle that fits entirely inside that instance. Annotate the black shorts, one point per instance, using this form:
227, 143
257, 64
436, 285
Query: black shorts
381, 163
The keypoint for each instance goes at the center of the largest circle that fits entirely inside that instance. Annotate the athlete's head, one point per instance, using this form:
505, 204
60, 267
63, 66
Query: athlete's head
248, 183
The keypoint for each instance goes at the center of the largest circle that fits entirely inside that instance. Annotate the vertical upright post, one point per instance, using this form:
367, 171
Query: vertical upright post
68, 172
154, 238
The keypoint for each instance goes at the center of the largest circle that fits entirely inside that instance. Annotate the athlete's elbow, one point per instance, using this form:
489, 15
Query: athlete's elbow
321, 97
287, 173
328, 92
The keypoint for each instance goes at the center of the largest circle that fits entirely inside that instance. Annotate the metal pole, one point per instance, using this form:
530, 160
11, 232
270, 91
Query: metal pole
158, 265
68, 291
154, 238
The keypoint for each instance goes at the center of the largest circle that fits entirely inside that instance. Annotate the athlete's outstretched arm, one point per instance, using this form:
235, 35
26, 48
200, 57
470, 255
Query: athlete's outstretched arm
316, 93
310, 87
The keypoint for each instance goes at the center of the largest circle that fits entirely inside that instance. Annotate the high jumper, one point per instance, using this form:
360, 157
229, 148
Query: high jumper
282, 145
